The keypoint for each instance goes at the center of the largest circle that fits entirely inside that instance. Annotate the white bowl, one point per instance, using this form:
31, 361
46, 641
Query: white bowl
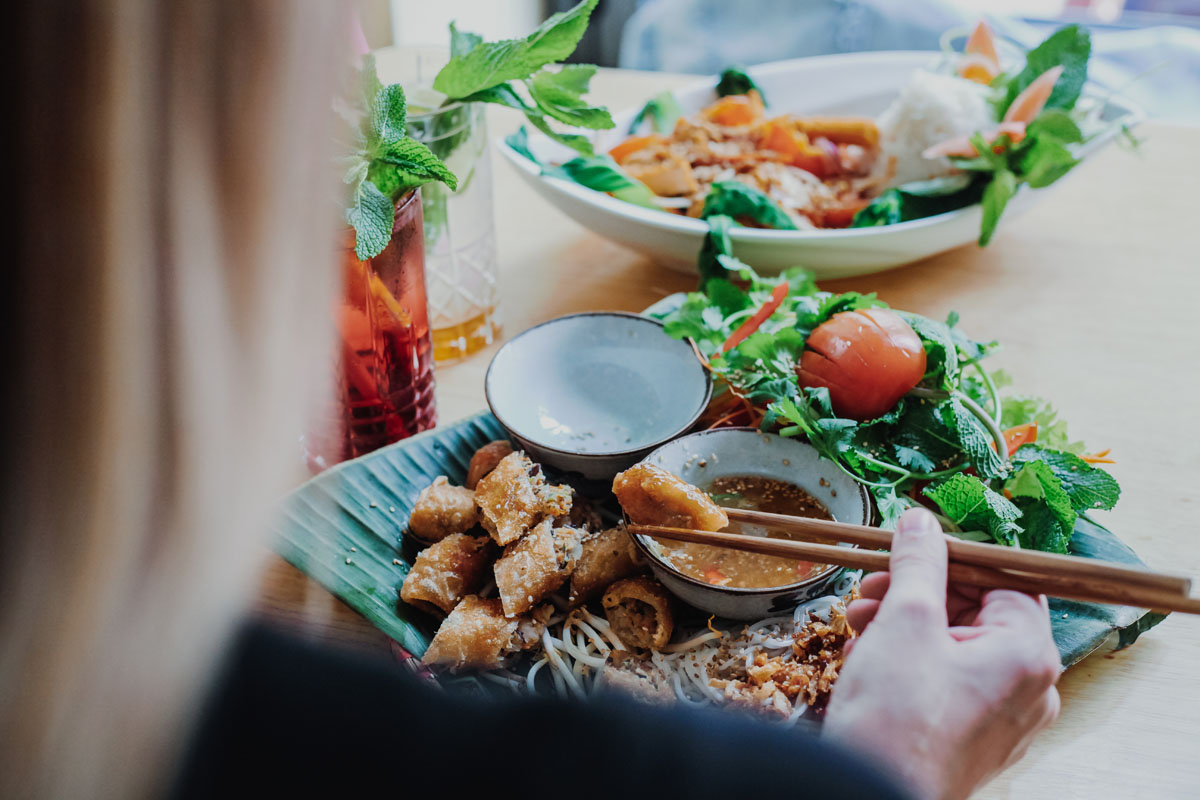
703, 457
592, 393
853, 83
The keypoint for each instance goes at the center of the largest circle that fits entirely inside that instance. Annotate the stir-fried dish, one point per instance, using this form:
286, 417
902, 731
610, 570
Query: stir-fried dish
820, 170
973, 127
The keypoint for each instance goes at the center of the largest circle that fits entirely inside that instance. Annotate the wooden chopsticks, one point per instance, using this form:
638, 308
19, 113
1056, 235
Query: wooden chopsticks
983, 565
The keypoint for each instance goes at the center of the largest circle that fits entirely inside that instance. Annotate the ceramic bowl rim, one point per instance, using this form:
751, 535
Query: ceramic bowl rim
739, 591
627, 452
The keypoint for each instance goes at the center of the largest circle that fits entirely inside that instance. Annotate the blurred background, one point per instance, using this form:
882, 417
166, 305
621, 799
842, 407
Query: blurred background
1149, 50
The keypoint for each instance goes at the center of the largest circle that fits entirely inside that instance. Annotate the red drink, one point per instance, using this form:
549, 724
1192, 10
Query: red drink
385, 363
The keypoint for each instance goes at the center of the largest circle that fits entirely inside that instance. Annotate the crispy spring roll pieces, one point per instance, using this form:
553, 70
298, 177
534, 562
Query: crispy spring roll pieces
652, 496
639, 611
448, 571
536, 565
477, 635
442, 509
514, 497
485, 460
607, 556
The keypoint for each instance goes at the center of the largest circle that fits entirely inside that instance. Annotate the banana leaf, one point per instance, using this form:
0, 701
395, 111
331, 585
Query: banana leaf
344, 528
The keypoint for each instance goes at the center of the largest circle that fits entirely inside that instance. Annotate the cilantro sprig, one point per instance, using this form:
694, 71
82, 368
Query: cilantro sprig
385, 162
942, 444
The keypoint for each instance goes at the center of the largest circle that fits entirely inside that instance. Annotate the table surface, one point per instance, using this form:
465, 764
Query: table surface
1093, 296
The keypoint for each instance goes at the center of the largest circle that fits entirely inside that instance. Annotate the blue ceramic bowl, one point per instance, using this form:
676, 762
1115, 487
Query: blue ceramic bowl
593, 393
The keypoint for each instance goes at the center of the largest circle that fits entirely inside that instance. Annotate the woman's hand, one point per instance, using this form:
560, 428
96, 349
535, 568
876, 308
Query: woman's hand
945, 687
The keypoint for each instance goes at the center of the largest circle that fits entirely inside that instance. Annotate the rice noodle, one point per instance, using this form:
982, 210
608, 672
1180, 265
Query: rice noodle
577, 646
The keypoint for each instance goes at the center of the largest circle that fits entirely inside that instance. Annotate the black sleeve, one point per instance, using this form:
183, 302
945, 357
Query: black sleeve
291, 719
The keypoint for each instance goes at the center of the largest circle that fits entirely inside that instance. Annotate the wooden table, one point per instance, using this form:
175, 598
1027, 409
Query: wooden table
1094, 297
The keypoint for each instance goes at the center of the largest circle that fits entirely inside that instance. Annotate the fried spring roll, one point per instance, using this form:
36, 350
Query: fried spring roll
442, 509
607, 557
514, 497
536, 565
841, 130
652, 496
485, 460
448, 571
478, 635
639, 610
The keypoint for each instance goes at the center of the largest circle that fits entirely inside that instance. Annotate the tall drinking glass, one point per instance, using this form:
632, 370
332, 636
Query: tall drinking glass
384, 371
460, 243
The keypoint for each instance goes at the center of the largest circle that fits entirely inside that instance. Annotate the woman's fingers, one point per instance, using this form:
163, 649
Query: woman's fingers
875, 585
916, 593
860, 613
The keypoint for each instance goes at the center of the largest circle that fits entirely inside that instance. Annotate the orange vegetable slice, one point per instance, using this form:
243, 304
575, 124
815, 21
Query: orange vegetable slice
1030, 102
736, 110
633, 144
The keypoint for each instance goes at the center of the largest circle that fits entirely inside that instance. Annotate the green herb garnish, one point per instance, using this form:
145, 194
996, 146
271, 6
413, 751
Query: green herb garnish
734, 80
514, 73
943, 441
743, 202
386, 162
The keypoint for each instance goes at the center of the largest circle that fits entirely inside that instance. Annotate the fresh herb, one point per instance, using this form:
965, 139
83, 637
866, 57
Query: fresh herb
942, 443
743, 202
386, 162
514, 73
734, 80
1068, 47
600, 173
1044, 152
919, 200
663, 111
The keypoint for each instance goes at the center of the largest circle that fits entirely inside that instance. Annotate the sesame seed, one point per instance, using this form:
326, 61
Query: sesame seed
348, 561
353, 549
392, 509
374, 504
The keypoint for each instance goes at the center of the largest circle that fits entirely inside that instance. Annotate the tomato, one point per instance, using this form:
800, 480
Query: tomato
867, 359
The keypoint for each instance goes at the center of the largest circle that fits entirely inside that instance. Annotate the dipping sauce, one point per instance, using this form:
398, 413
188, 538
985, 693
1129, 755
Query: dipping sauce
723, 567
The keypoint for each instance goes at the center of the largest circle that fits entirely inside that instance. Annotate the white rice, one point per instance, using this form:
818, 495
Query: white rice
929, 110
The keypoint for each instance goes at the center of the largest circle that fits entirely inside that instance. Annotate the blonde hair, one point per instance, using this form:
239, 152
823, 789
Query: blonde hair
168, 314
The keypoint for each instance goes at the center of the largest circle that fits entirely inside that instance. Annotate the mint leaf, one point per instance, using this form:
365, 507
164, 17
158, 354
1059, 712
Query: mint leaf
413, 165
559, 95
489, 64
1087, 487
734, 80
741, 201
995, 197
941, 355
462, 42
1041, 527
1069, 46
973, 506
372, 215
389, 119
663, 111
973, 438
602, 174
1048, 515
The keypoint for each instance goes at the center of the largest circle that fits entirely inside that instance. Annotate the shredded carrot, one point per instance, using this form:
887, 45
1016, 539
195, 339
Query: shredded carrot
1099, 458
711, 628
778, 295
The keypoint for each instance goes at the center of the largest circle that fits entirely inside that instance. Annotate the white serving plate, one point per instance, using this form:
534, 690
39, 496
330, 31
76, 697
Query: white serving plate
852, 83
